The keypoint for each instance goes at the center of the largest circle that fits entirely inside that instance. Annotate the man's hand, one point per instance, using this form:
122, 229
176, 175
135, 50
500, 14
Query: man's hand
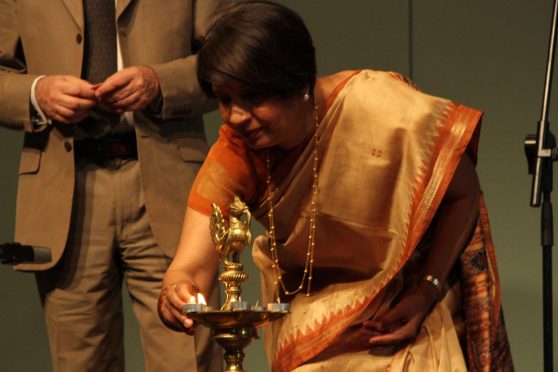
129, 89
64, 98
171, 301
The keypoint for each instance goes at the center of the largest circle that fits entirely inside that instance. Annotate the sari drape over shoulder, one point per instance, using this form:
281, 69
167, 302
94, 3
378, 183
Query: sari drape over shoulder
387, 155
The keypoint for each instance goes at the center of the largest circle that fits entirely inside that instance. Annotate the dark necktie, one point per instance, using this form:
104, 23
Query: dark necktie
99, 60
100, 40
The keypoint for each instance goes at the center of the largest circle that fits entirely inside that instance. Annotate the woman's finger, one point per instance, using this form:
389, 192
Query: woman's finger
404, 333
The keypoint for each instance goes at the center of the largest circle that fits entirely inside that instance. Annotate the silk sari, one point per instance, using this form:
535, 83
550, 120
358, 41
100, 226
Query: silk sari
387, 154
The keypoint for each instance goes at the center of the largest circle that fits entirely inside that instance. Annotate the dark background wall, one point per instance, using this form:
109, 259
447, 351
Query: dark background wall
489, 55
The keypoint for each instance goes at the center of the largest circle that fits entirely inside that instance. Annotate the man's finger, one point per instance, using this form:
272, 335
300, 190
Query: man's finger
63, 114
130, 103
113, 83
76, 103
75, 87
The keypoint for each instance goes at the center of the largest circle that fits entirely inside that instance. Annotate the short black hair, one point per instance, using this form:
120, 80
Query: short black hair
263, 47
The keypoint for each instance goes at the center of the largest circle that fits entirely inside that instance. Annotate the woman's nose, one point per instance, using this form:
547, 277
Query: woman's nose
235, 115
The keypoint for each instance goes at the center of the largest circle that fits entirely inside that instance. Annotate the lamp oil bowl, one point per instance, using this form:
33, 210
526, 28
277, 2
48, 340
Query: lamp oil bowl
233, 326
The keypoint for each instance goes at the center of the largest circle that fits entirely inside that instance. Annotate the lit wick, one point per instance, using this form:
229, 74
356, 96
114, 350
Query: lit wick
196, 304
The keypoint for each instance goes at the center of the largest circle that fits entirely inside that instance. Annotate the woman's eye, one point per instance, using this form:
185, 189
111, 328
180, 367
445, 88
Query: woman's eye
253, 99
225, 100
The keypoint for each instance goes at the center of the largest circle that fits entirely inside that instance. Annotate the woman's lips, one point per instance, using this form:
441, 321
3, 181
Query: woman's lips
251, 134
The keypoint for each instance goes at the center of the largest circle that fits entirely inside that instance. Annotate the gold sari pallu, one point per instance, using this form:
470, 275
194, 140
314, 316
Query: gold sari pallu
388, 153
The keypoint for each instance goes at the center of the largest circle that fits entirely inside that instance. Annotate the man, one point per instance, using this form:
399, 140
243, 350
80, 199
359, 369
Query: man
108, 100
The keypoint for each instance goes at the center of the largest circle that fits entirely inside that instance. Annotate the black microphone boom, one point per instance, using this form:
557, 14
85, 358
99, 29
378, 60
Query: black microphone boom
16, 253
541, 154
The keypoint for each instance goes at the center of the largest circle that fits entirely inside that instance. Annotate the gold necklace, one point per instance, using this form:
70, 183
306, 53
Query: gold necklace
308, 266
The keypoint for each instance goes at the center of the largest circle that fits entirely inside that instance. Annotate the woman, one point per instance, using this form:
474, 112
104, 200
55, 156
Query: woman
369, 194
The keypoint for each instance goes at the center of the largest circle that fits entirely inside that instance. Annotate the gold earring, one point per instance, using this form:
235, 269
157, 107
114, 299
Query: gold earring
306, 97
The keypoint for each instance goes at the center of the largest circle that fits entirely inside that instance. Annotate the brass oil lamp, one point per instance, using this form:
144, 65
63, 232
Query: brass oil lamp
234, 325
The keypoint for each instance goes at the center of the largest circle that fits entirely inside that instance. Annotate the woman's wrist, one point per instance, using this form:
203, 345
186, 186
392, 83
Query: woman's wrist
434, 282
430, 287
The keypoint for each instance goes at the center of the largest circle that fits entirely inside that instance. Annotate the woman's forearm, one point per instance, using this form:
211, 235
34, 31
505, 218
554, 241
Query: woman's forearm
455, 221
191, 271
196, 259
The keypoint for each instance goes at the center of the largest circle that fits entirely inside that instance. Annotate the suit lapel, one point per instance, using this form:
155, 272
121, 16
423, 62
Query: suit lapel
121, 6
75, 8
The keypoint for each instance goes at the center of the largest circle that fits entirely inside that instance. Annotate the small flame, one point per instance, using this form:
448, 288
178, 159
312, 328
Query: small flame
197, 300
201, 299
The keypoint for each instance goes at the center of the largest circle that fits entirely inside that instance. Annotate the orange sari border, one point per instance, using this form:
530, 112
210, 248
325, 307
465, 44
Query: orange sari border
328, 331
457, 130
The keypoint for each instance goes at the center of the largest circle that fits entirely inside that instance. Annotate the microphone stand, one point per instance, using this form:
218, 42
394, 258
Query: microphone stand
541, 153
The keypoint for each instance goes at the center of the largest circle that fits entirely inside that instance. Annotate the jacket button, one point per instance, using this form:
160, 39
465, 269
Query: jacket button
79, 38
68, 146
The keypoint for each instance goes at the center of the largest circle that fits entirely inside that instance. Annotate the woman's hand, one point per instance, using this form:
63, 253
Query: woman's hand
402, 322
191, 271
171, 301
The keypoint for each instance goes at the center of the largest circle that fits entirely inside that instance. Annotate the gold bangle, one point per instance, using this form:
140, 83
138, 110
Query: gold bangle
434, 281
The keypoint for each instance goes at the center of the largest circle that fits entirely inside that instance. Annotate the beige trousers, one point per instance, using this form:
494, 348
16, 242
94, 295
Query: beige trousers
111, 242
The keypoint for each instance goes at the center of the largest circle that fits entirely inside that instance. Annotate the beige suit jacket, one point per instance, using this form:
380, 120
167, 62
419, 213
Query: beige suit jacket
46, 37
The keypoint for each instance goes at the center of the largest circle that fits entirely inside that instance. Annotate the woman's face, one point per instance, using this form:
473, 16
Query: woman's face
264, 122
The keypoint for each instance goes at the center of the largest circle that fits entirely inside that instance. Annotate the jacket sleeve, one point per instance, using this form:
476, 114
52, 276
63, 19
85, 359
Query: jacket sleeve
184, 96
15, 83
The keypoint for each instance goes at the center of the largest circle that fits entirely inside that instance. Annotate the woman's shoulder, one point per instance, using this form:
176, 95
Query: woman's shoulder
367, 77
340, 76
327, 87
327, 84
